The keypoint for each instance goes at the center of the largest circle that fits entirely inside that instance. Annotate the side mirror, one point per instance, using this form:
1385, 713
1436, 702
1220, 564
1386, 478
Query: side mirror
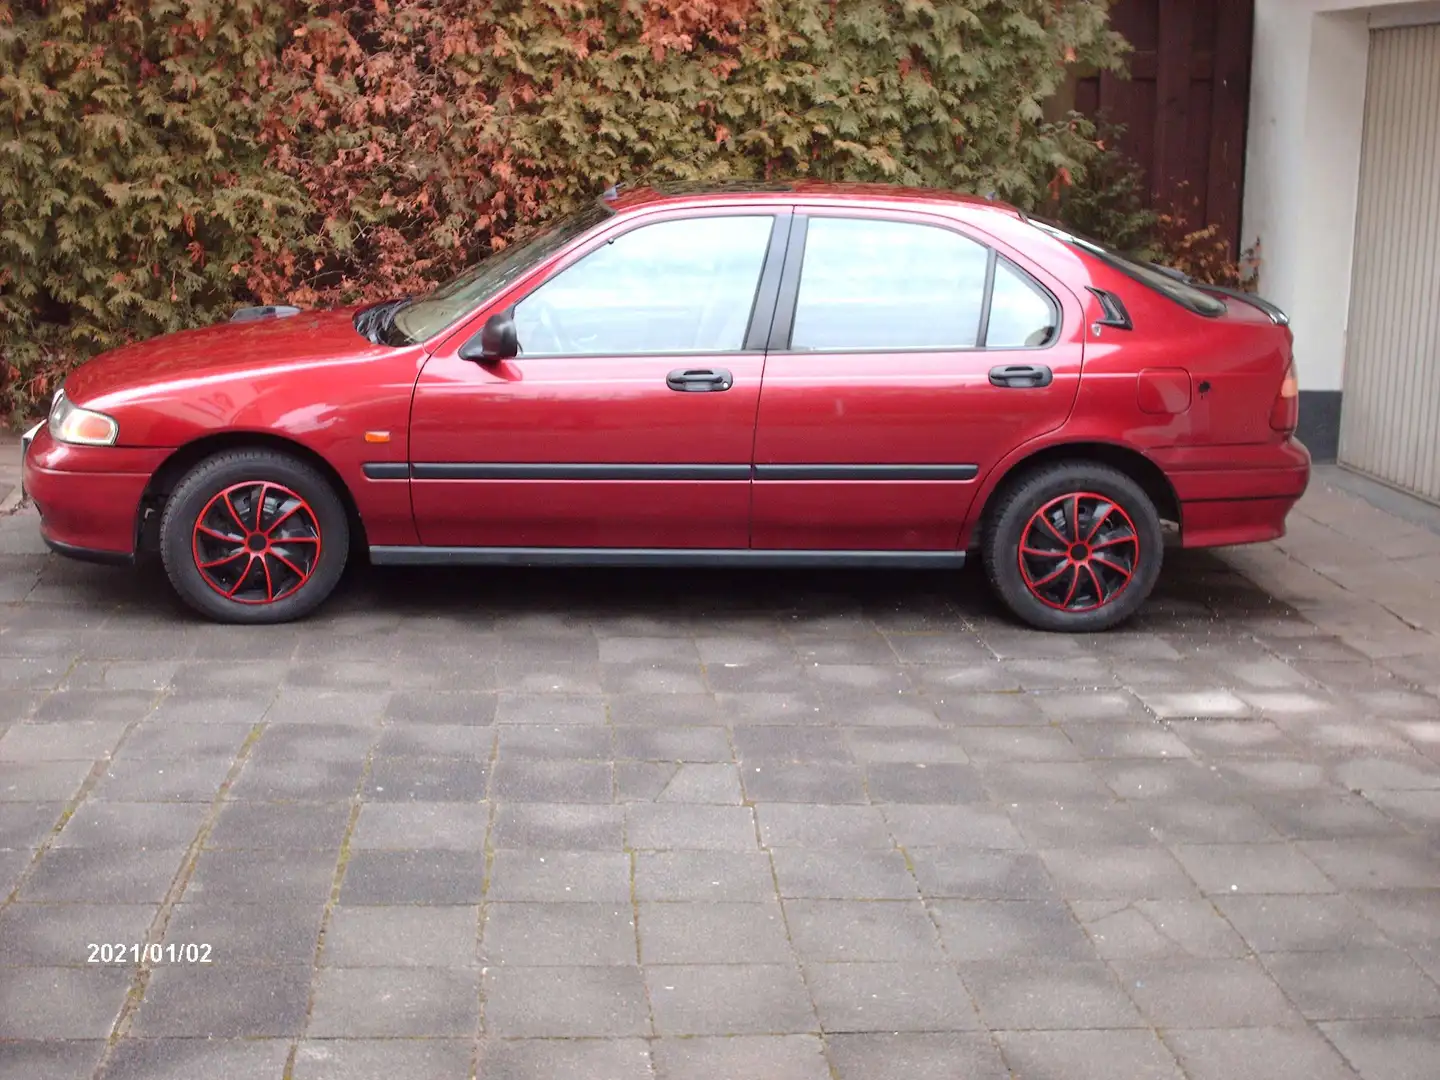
496, 341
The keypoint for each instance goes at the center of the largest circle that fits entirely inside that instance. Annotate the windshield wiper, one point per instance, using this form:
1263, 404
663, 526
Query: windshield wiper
375, 323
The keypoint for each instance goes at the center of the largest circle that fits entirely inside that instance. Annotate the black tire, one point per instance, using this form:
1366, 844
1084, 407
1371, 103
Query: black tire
1028, 584
291, 501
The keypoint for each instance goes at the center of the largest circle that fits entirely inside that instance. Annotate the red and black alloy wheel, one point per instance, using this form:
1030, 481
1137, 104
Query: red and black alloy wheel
256, 542
1074, 546
1079, 552
254, 536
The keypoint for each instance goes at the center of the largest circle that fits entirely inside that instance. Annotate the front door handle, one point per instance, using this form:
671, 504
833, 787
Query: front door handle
699, 380
1020, 376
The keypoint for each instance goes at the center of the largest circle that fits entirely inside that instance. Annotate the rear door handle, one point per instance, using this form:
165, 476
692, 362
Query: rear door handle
1021, 376
699, 380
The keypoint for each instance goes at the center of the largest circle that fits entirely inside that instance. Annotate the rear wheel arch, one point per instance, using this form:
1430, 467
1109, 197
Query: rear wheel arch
181, 461
1134, 464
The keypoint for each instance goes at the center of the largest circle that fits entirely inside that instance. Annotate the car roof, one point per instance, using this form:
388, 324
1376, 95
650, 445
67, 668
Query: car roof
623, 198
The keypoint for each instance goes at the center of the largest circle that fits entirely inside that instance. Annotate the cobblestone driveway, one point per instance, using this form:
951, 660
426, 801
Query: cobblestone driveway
541, 826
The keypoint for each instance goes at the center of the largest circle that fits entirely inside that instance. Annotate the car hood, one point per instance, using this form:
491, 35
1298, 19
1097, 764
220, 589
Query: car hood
222, 351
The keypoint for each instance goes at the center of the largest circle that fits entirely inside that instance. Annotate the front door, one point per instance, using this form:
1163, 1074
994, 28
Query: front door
907, 359
628, 419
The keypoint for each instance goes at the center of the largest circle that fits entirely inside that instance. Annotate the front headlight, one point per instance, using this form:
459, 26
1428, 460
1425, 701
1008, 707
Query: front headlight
69, 423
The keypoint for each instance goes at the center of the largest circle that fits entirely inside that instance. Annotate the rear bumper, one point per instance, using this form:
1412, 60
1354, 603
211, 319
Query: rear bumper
88, 497
1247, 500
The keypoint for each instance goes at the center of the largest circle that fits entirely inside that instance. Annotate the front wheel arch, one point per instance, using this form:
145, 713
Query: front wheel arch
182, 460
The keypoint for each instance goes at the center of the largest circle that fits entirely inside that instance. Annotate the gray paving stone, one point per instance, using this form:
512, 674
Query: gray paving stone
560, 876
1398, 863
248, 935
219, 1001
663, 827
60, 1003
1088, 1055
1155, 929
970, 826
552, 781
879, 930
822, 783
1081, 820
210, 708
395, 1002
1299, 923
998, 744
25, 825
554, 742
890, 997
713, 933
194, 779
776, 1057
175, 742
1257, 1054
268, 826
422, 740
550, 709
1355, 984
1388, 1049
60, 935
801, 825
891, 782
1202, 821
1407, 916
37, 1059
1109, 873
558, 827
663, 712
110, 710
99, 824
453, 826
396, 779
1221, 869
196, 1059
401, 936
699, 744
999, 930
565, 1002
558, 934
50, 781
384, 1059
1030, 781
964, 873
732, 999
262, 877
835, 875
556, 1059
703, 876
793, 744
917, 1056
75, 740
1177, 993
413, 877
104, 875
423, 707
1046, 994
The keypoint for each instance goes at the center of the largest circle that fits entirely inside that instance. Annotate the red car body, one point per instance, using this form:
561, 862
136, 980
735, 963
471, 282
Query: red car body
809, 456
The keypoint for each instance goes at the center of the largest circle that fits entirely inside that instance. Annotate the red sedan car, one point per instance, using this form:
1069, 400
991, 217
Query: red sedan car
803, 375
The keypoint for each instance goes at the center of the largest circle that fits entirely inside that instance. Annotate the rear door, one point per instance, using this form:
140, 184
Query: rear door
907, 358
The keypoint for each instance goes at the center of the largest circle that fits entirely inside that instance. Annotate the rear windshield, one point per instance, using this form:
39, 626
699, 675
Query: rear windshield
1170, 282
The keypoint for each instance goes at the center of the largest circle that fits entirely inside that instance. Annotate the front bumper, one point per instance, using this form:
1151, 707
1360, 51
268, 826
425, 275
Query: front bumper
88, 497
25, 441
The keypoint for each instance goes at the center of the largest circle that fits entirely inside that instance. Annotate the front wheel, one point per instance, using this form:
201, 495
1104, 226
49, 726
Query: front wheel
254, 536
1074, 547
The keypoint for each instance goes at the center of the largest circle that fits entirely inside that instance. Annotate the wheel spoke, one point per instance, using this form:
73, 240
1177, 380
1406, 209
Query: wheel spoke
1043, 553
229, 505
1127, 574
260, 508
1101, 513
1099, 588
283, 518
1044, 519
1075, 524
1074, 584
1130, 539
269, 581
243, 575
221, 562
1048, 578
289, 565
216, 534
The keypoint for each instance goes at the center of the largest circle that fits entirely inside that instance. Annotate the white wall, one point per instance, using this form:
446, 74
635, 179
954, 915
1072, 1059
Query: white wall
1302, 164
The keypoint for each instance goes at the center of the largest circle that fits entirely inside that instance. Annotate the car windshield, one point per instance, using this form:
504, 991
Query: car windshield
1170, 282
430, 314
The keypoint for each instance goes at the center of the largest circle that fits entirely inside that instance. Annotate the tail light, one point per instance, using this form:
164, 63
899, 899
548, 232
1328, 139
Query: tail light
1285, 413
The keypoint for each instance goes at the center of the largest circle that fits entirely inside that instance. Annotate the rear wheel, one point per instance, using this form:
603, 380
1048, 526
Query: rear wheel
254, 536
1074, 547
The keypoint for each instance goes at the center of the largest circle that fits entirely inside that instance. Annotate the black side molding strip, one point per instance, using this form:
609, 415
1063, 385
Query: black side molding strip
661, 557
445, 470
866, 472
386, 470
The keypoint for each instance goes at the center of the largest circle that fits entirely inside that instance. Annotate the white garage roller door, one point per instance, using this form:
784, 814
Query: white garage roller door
1390, 415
